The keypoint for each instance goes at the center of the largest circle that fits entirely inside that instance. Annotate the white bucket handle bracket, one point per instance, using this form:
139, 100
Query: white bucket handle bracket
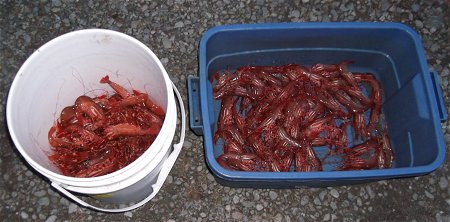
165, 169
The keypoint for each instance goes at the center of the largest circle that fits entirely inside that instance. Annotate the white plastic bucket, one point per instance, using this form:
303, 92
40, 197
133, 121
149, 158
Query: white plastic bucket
72, 65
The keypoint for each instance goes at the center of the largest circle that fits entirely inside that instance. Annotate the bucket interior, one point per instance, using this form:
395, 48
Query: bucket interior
390, 54
70, 66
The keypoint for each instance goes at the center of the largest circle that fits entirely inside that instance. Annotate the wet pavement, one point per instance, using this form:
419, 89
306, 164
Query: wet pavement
172, 29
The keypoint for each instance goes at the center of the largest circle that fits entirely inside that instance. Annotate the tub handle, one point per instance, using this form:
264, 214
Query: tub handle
195, 111
165, 169
438, 93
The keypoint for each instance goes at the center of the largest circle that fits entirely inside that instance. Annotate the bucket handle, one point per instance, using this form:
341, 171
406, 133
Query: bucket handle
165, 169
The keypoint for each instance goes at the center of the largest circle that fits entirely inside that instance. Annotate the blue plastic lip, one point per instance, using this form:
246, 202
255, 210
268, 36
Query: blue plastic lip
438, 92
325, 176
190, 98
431, 101
194, 104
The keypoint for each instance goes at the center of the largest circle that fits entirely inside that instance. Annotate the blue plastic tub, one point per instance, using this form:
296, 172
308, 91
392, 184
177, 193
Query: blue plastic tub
393, 52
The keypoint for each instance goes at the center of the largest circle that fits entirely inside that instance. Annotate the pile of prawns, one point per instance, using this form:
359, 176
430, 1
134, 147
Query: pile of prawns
100, 135
272, 117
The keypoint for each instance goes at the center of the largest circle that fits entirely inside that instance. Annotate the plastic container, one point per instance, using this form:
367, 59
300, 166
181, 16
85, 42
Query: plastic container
393, 52
72, 65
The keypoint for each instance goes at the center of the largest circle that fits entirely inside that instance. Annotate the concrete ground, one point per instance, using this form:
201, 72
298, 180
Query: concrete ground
172, 29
